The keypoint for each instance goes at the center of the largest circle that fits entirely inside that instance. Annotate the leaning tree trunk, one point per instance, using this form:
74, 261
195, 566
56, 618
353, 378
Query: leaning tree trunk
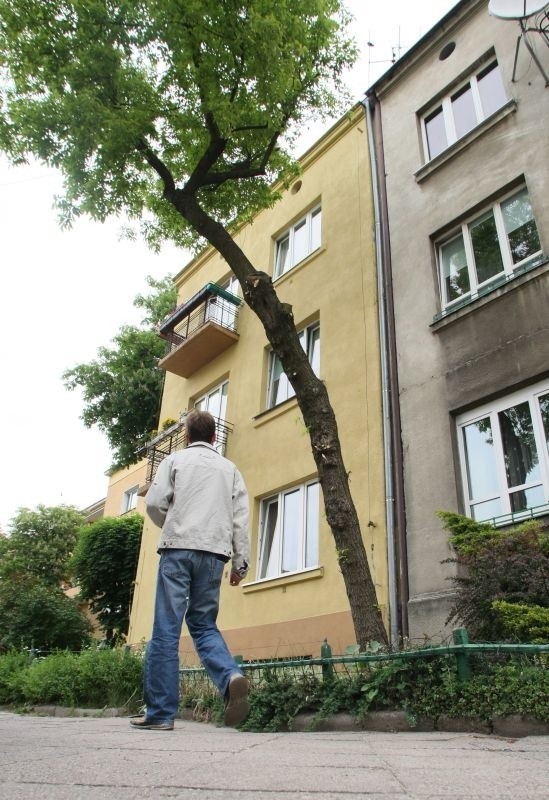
318, 415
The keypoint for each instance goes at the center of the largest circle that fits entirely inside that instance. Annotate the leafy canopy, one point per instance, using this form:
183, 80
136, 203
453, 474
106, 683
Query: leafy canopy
181, 113
92, 86
105, 563
122, 386
34, 562
40, 544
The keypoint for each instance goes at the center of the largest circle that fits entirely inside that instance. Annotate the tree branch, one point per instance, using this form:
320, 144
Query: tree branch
213, 152
250, 128
158, 165
240, 170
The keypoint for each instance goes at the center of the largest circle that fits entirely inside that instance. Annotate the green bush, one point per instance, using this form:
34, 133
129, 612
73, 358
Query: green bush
34, 614
12, 665
93, 678
422, 688
497, 691
426, 687
110, 677
467, 536
508, 565
279, 699
51, 680
523, 623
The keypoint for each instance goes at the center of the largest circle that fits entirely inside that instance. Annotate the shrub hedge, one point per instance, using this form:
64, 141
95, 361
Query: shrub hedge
93, 678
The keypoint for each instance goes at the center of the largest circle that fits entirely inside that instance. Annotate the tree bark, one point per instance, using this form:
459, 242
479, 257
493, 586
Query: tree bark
318, 415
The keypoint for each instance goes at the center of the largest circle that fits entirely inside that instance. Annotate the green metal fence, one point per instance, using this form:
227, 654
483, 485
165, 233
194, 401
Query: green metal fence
330, 667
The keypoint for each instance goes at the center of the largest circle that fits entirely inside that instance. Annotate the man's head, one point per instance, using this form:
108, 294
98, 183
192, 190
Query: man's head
200, 427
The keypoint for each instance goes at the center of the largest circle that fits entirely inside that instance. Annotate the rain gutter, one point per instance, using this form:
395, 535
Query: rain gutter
394, 488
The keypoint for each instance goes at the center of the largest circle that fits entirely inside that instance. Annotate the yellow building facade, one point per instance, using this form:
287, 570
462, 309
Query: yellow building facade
123, 494
317, 243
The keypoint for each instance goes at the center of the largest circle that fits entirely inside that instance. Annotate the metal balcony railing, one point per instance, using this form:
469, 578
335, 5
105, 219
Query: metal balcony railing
175, 438
210, 304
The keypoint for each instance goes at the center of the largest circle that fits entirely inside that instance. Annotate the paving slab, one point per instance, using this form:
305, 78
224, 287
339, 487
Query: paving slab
90, 758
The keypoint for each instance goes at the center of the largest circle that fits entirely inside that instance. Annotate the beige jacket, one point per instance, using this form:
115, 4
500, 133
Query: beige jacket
199, 499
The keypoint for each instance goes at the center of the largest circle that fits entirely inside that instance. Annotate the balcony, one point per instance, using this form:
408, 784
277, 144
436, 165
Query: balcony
175, 438
199, 330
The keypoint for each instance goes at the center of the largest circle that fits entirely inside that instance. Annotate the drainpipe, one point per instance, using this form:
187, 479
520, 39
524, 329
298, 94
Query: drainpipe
398, 585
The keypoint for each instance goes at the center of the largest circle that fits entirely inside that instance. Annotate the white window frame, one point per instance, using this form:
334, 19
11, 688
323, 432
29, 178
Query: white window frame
129, 499
306, 336
289, 234
273, 566
503, 492
447, 112
230, 284
205, 398
463, 231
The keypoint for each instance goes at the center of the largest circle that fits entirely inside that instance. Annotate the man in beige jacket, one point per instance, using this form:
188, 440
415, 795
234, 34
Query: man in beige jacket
199, 499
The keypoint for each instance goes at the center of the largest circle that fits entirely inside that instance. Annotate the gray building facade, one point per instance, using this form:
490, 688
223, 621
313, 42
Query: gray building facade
461, 149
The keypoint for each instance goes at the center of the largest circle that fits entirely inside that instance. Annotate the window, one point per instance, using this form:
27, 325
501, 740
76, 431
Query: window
279, 387
504, 453
488, 246
129, 499
289, 531
232, 285
463, 109
298, 242
215, 401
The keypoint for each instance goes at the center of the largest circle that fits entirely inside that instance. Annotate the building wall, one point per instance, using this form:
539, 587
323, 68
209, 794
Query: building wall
496, 344
337, 286
120, 482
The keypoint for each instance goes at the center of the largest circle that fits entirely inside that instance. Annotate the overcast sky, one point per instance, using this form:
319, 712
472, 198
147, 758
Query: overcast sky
66, 293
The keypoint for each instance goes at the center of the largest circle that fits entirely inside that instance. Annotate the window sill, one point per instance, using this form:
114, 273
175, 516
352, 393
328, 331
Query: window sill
299, 266
283, 580
274, 412
457, 147
495, 290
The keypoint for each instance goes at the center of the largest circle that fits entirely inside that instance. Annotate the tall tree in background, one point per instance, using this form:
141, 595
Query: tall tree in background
181, 114
122, 387
40, 544
34, 563
104, 564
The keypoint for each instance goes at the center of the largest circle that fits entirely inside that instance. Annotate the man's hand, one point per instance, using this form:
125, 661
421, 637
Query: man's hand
235, 578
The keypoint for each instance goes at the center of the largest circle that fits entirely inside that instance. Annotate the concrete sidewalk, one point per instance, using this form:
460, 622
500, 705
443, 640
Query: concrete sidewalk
78, 758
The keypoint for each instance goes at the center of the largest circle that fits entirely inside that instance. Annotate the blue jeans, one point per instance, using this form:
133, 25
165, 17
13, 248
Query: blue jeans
187, 589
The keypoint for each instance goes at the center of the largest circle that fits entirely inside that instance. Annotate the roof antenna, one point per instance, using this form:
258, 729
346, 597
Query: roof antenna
396, 50
369, 45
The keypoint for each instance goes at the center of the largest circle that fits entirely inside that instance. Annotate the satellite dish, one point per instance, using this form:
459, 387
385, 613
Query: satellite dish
515, 9
521, 11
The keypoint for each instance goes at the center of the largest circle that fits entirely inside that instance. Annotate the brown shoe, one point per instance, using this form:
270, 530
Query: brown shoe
149, 725
236, 700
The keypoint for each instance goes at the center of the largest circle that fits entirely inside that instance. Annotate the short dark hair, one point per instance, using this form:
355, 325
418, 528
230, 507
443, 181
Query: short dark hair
200, 427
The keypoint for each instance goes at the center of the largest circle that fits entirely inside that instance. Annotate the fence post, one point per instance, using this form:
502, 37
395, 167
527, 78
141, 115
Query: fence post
463, 663
327, 668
